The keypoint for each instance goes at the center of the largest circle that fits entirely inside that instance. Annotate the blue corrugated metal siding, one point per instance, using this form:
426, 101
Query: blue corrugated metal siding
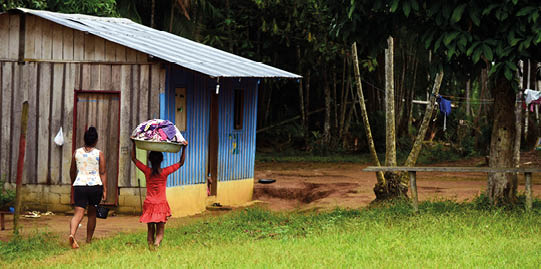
236, 148
197, 121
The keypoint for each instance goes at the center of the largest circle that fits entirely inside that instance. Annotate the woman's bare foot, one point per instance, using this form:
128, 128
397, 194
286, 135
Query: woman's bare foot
73, 242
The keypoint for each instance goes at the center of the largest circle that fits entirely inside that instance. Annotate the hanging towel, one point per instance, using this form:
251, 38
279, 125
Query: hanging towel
531, 95
445, 108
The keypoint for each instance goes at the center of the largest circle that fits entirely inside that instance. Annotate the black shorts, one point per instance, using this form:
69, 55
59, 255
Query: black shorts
87, 195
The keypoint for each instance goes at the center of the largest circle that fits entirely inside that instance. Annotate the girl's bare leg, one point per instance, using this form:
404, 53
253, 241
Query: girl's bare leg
150, 235
160, 229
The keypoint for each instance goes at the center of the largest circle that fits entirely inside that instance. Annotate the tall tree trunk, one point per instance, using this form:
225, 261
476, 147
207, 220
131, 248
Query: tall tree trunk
390, 138
483, 83
307, 102
527, 113
518, 123
327, 119
401, 92
171, 16
468, 89
412, 92
334, 98
501, 188
352, 110
301, 94
418, 144
268, 105
229, 33
198, 20
152, 13
343, 99
392, 187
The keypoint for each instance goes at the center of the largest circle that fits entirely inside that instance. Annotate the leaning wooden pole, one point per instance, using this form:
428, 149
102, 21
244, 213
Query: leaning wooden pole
429, 110
364, 114
20, 166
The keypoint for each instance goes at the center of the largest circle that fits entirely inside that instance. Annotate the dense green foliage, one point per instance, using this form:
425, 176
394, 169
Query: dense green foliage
313, 38
443, 234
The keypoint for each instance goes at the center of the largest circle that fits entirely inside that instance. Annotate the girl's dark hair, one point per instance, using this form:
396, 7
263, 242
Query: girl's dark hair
155, 158
91, 136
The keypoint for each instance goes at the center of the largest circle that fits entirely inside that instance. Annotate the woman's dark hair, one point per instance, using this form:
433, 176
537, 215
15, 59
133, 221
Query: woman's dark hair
91, 137
155, 158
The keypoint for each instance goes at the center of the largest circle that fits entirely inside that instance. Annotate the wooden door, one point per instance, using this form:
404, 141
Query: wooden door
213, 144
101, 110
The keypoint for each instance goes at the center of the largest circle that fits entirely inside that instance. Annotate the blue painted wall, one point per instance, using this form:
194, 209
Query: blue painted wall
236, 148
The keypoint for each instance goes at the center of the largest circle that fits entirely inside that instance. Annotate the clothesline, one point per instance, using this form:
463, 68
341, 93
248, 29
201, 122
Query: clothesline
472, 101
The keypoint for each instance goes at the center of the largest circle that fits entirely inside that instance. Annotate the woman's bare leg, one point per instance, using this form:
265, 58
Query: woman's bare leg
160, 229
91, 224
78, 215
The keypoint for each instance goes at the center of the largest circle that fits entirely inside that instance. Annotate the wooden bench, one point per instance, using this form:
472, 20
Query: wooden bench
2, 224
413, 178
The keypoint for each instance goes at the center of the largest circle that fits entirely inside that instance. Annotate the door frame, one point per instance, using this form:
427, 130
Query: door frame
213, 143
74, 136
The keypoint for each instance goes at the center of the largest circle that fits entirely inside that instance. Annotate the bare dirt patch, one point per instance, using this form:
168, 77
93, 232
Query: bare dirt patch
306, 186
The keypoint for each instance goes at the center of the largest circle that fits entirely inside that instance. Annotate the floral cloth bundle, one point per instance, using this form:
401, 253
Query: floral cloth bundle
157, 130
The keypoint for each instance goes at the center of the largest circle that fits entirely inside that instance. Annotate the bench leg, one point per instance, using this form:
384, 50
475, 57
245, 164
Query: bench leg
528, 189
413, 187
2, 221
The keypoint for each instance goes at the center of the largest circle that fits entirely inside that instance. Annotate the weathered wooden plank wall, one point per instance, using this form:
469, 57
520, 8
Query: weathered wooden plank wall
58, 62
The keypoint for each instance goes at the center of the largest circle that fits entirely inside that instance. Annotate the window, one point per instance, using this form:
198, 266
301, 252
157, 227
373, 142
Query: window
239, 109
180, 109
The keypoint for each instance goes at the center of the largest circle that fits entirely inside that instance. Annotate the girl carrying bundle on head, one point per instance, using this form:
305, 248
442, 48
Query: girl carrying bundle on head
156, 210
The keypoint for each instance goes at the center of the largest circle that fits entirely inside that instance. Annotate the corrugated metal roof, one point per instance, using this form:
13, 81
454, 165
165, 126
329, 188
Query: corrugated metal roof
169, 47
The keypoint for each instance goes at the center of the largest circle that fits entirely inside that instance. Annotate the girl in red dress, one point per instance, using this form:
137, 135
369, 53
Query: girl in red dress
156, 210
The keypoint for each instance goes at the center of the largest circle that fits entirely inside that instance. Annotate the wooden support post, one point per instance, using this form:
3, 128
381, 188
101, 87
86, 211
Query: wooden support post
20, 166
2, 225
528, 187
413, 187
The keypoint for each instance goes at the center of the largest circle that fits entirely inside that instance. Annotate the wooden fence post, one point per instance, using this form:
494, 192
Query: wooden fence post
20, 166
413, 187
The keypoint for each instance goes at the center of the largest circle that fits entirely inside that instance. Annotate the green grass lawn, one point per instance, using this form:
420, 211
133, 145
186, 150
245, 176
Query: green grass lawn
443, 235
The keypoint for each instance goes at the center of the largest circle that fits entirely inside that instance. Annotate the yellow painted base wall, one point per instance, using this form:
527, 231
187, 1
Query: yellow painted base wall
192, 199
183, 200
235, 192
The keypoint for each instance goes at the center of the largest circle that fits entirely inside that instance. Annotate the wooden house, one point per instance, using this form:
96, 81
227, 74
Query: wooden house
78, 71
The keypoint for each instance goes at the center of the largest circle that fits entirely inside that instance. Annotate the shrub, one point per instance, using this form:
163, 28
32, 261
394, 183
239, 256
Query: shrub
7, 197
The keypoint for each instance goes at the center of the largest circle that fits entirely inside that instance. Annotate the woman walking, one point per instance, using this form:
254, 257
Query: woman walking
156, 209
89, 179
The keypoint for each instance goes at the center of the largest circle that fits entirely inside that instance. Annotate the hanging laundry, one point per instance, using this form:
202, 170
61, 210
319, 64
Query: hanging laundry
157, 130
445, 108
531, 96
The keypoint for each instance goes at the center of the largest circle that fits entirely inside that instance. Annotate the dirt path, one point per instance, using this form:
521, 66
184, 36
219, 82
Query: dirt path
59, 224
300, 186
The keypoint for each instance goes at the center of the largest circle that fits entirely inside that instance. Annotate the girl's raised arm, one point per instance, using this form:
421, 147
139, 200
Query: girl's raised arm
183, 155
133, 152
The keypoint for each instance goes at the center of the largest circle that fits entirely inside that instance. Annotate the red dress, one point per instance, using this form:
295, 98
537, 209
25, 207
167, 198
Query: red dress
155, 207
